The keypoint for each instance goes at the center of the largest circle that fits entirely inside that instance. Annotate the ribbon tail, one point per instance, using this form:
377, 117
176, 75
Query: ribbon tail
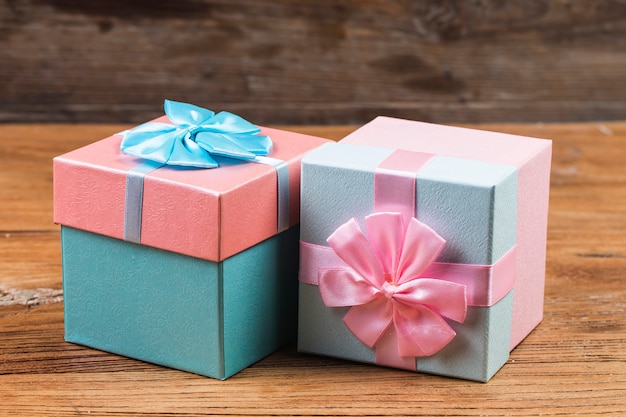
185, 114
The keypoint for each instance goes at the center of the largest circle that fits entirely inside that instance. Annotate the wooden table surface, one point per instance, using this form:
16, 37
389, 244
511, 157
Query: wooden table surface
573, 364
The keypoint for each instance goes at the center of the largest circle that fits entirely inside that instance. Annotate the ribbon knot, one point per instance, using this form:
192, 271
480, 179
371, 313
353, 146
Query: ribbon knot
403, 304
194, 137
388, 289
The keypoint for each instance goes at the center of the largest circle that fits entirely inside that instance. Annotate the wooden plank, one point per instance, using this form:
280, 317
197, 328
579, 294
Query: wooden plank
314, 62
560, 369
30, 265
26, 153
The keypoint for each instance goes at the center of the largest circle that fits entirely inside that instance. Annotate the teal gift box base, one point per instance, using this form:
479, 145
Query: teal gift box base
205, 317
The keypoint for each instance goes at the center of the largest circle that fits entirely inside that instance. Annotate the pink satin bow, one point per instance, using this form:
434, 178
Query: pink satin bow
384, 285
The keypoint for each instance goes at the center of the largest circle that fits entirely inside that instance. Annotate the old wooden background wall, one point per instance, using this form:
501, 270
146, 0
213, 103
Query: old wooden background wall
314, 61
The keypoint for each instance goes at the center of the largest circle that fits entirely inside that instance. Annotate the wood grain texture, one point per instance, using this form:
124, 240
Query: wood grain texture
573, 364
314, 61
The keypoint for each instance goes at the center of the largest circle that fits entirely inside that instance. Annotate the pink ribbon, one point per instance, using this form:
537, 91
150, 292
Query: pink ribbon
485, 285
399, 296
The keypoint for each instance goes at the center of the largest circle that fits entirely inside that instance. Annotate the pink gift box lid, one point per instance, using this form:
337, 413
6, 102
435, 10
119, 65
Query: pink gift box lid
210, 214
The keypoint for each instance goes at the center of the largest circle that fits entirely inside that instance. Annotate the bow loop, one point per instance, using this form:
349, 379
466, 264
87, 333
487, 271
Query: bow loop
343, 287
351, 245
185, 114
196, 135
226, 121
422, 246
386, 232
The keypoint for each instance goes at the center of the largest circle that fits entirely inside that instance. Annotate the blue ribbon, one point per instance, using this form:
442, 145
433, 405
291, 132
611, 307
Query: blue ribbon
194, 135
134, 200
282, 177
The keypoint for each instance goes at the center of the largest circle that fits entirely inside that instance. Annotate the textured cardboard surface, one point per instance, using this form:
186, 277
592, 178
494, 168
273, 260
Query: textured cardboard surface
210, 318
478, 351
206, 213
470, 203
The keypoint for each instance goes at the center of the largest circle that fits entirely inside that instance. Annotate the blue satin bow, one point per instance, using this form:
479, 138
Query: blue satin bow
195, 135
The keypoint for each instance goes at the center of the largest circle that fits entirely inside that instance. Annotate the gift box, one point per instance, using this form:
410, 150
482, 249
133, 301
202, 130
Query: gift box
423, 247
180, 240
